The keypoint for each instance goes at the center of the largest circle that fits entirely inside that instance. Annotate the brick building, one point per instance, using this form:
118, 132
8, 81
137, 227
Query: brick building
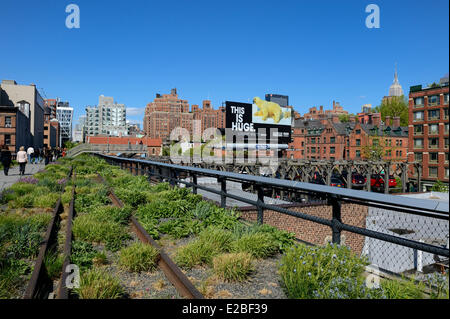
166, 113
14, 128
52, 129
154, 145
331, 140
388, 141
208, 116
320, 114
429, 132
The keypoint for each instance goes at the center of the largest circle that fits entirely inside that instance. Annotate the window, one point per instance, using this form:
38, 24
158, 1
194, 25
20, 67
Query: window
446, 142
446, 98
446, 172
446, 157
418, 143
332, 150
358, 154
446, 113
332, 140
313, 150
324, 149
432, 171
433, 157
418, 157
358, 132
418, 101
418, 129
324, 139
433, 129
418, 116
433, 100
446, 128
375, 143
8, 122
433, 115
303, 143
358, 142
313, 140
7, 139
332, 158
433, 143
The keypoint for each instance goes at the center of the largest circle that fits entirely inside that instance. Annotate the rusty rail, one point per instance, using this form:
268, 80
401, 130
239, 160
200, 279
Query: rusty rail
170, 269
62, 290
40, 284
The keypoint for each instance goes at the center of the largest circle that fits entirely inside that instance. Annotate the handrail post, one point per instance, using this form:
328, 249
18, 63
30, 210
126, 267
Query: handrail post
194, 181
336, 219
260, 218
223, 190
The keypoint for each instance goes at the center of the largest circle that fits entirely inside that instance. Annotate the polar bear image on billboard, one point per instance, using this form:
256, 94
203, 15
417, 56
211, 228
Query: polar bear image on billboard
265, 112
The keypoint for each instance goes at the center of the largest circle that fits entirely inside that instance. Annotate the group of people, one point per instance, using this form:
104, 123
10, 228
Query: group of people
31, 156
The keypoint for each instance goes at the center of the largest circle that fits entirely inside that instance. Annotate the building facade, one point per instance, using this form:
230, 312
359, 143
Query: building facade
30, 102
64, 115
166, 113
429, 132
14, 128
107, 118
208, 116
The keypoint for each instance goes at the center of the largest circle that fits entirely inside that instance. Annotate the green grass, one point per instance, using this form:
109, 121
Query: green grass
233, 266
196, 253
99, 284
259, 245
138, 257
46, 201
53, 263
403, 289
94, 228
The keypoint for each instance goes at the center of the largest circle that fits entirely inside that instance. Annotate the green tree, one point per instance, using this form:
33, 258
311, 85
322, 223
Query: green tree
345, 118
394, 106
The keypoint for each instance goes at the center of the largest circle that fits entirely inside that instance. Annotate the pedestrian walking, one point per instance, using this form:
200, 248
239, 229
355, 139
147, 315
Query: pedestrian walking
22, 159
37, 154
30, 152
5, 158
47, 155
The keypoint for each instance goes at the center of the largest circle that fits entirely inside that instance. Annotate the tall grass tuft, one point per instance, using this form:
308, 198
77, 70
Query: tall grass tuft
233, 266
98, 284
138, 257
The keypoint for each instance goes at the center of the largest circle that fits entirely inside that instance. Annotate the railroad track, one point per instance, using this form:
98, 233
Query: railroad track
41, 286
173, 273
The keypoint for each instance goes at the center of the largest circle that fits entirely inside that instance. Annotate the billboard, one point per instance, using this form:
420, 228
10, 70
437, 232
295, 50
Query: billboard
245, 119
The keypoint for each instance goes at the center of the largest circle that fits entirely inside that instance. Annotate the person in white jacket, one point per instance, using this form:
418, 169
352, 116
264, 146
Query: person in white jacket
30, 152
22, 159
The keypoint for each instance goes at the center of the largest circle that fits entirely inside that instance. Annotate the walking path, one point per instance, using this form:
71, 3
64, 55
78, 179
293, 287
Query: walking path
13, 174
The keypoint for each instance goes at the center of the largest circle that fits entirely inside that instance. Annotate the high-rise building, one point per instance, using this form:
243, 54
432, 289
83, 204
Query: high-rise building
108, 118
395, 89
429, 132
64, 115
208, 116
166, 113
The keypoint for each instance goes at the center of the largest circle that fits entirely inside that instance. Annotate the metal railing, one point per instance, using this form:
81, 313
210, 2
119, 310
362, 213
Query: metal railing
334, 197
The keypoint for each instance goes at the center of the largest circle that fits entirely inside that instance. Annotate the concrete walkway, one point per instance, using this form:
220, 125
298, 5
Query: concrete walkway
13, 174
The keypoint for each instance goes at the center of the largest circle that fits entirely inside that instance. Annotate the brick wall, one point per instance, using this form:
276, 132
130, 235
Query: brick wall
311, 232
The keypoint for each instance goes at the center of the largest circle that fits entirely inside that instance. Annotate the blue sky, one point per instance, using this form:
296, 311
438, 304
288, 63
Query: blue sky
313, 51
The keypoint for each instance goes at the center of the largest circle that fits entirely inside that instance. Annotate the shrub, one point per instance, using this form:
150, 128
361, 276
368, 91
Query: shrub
138, 257
220, 238
259, 245
89, 227
179, 228
46, 201
196, 253
98, 284
22, 188
233, 266
308, 272
22, 201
